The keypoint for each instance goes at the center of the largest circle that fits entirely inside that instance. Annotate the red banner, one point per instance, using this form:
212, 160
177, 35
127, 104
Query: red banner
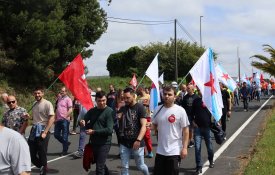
74, 79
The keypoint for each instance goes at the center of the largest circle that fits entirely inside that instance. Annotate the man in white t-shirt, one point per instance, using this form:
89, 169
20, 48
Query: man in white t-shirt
14, 153
171, 122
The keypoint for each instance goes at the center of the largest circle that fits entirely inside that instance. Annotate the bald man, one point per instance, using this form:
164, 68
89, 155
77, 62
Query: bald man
15, 155
16, 117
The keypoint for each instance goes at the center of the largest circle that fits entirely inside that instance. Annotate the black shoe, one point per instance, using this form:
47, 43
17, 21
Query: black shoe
211, 165
191, 144
43, 170
63, 153
199, 170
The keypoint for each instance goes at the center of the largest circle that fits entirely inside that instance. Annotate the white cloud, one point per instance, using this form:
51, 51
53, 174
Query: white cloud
226, 25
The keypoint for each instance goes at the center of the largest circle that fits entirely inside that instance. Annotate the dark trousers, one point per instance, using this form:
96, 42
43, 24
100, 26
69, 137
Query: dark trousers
38, 150
223, 119
75, 115
245, 103
100, 155
166, 165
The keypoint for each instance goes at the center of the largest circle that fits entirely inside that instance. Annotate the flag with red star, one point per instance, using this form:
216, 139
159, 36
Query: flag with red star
225, 78
205, 77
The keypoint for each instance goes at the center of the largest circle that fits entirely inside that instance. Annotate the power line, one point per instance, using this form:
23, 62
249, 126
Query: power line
140, 23
186, 32
127, 19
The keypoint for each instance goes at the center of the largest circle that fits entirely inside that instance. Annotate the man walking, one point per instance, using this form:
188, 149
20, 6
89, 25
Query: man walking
43, 118
99, 125
244, 95
226, 110
144, 99
62, 120
16, 117
187, 103
15, 155
202, 122
171, 122
132, 127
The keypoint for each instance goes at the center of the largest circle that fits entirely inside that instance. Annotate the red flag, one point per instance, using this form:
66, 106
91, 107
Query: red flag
193, 82
133, 81
262, 78
74, 79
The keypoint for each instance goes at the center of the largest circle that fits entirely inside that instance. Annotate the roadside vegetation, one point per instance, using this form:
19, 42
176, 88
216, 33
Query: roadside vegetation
262, 160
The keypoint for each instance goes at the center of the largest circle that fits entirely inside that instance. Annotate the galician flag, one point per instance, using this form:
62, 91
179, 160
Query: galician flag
225, 78
246, 79
204, 75
161, 78
153, 73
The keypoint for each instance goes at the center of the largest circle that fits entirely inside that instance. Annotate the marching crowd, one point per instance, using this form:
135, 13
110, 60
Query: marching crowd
181, 121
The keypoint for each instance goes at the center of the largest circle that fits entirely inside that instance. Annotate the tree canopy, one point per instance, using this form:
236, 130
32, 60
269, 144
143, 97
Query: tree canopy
136, 60
266, 64
38, 38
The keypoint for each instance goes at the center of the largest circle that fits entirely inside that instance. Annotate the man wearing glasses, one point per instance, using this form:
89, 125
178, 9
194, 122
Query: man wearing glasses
16, 117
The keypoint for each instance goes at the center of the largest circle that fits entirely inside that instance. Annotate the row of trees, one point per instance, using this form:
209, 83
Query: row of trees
38, 38
136, 60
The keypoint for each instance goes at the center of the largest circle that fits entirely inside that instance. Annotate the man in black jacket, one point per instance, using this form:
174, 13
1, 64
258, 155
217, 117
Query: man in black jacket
201, 123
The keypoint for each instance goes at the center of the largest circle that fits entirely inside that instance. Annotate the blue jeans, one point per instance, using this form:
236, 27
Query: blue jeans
82, 137
61, 133
198, 134
125, 154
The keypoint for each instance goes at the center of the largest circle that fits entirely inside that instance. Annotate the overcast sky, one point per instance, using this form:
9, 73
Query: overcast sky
225, 26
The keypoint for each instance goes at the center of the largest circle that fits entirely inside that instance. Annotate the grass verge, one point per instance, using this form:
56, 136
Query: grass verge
262, 158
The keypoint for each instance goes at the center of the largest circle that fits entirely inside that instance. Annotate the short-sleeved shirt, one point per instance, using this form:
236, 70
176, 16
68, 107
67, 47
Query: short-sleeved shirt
187, 103
14, 153
41, 112
131, 116
62, 108
225, 97
145, 100
14, 118
170, 122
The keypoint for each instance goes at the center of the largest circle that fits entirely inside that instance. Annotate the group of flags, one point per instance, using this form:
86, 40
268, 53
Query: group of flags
204, 74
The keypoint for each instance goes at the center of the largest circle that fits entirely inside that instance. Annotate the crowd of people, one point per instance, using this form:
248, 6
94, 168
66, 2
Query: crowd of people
181, 121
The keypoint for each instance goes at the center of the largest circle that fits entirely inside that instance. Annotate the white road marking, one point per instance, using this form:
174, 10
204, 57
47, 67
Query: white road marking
233, 137
58, 158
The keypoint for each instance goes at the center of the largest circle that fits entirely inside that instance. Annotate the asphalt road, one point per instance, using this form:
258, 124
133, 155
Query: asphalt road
228, 161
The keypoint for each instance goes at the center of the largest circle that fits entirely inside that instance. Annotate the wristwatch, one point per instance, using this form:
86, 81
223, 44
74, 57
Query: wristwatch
138, 140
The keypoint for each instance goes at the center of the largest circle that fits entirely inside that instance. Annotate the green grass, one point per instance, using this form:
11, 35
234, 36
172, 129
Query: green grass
118, 82
263, 160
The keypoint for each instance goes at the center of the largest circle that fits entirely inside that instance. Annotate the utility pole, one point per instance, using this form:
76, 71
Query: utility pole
176, 58
239, 63
200, 32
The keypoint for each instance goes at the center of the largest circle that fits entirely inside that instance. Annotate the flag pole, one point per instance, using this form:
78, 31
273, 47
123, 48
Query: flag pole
183, 78
140, 81
52, 84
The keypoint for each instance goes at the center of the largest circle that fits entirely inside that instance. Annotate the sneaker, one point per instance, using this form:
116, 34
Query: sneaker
211, 165
78, 154
63, 154
73, 133
191, 144
149, 155
199, 170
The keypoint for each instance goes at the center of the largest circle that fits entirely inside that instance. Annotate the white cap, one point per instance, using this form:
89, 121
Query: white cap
174, 84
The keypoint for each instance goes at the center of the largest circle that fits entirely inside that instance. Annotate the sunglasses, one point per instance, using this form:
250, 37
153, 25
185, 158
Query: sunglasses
10, 102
